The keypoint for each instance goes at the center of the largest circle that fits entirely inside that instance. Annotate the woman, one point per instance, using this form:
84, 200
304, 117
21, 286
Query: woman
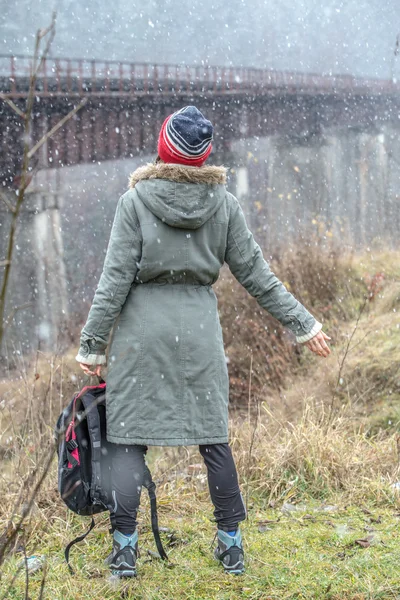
167, 381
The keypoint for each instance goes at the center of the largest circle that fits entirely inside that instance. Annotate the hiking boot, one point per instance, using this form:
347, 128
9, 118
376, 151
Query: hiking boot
122, 560
230, 552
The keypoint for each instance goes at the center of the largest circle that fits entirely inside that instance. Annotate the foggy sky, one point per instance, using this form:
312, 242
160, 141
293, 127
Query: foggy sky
353, 36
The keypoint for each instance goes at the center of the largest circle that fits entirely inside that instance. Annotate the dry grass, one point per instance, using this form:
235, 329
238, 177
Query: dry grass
331, 475
369, 386
307, 458
290, 446
330, 284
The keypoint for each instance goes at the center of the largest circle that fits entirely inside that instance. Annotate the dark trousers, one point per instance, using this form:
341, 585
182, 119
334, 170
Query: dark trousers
128, 467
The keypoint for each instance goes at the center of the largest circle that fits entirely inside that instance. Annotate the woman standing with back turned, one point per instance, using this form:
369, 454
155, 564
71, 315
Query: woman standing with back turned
167, 382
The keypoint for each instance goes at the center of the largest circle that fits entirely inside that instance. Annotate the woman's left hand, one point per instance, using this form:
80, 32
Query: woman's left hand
87, 369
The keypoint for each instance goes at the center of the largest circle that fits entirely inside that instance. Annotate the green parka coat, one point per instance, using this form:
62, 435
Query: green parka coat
167, 380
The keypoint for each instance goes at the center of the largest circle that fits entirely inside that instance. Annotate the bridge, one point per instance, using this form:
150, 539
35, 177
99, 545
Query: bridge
61, 76
303, 146
127, 102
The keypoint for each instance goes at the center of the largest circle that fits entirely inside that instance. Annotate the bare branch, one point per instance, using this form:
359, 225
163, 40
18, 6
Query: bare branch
395, 55
10, 533
7, 202
56, 127
24, 181
26, 572
43, 581
253, 435
51, 29
15, 108
15, 310
7, 320
343, 360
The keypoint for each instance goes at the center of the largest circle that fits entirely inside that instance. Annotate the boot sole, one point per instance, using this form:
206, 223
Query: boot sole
123, 573
234, 571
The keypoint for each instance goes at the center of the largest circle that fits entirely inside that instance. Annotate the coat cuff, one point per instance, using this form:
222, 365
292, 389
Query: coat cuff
91, 359
301, 339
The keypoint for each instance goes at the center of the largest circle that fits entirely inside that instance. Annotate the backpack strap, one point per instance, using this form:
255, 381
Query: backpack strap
89, 402
151, 488
78, 539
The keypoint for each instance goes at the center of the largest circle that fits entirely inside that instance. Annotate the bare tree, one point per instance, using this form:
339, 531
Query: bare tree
44, 39
396, 52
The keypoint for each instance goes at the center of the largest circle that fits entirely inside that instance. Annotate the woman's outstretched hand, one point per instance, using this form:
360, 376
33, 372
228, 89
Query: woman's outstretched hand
318, 345
87, 369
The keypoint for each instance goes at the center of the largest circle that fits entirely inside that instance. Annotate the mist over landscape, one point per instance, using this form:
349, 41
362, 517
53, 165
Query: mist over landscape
226, 209
307, 35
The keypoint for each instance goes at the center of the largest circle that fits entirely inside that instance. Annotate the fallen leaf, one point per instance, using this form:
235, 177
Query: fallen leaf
331, 524
365, 542
265, 525
264, 521
173, 540
376, 519
366, 511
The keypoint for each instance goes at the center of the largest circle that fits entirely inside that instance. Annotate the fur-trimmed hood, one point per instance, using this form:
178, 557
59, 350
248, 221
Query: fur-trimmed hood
180, 173
182, 196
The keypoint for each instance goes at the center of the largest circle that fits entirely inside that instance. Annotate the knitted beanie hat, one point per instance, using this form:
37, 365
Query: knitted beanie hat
185, 138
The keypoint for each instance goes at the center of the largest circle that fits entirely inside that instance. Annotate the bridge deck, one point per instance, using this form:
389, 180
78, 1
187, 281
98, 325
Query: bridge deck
77, 77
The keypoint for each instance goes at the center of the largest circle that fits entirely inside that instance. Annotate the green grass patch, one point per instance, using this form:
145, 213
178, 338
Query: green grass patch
309, 553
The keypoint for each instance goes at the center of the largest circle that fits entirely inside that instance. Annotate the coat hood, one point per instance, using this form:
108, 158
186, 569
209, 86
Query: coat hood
181, 196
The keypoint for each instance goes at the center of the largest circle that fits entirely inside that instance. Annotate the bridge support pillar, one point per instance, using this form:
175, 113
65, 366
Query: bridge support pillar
242, 183
52, 302
37, 303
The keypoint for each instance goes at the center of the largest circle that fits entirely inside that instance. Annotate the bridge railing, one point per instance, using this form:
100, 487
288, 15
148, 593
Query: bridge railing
66, 76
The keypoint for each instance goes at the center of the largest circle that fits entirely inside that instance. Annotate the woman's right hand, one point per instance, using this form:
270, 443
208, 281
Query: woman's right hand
318, 345
87, 369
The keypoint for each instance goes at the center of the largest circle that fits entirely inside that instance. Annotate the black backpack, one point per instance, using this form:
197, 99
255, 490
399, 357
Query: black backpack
84, 462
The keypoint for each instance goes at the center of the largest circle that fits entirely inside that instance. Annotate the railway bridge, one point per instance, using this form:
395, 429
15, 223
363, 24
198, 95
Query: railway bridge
331, 148
127, 102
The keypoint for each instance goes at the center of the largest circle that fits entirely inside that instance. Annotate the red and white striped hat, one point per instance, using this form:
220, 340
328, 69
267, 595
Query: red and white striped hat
185, 137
